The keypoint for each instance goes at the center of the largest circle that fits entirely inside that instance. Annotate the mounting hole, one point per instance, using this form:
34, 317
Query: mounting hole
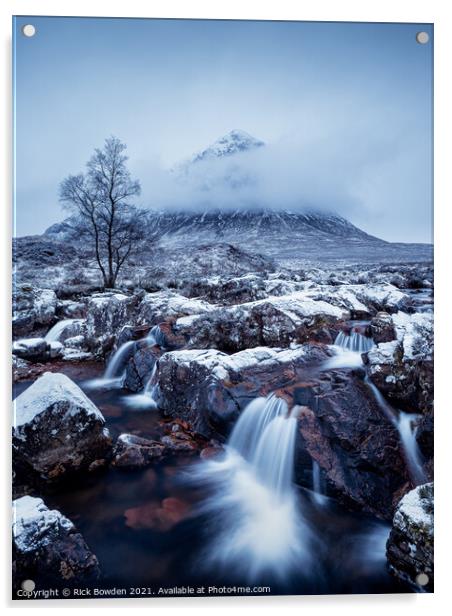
28, 585
422, 579
28, 30
422, 37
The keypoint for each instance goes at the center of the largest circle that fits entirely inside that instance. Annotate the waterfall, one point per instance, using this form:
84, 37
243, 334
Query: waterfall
116, 365
252, 423
156, 337
255, 521
317, 488
54, 333
273, 460
348, 350
407, 430
151, 386
354, 342
405, 424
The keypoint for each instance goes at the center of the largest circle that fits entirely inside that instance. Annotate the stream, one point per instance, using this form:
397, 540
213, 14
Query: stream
238, 520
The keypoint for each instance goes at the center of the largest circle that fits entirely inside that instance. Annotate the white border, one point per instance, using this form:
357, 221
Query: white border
426, 11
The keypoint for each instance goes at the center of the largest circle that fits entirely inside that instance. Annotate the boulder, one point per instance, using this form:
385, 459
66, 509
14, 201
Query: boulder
410, 545
382, 328
276, 321
133, 451
163, 305
32, 349
209, 388
362, 300
48, 549
108, 313
68, 309
342, 428
67, 328
32, 308
57, 429
140, 366
425, 435
217, 289
403, 369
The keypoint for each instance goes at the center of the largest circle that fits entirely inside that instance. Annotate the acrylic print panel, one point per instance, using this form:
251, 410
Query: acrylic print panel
223, 301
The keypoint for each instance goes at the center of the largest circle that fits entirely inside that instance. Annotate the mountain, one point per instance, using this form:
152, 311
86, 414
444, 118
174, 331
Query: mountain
276, 233
232, 143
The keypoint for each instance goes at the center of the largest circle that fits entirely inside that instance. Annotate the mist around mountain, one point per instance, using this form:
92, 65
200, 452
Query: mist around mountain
222, 186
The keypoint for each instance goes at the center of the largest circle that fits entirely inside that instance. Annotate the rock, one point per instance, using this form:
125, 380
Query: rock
68, 309
425, 435
403, 369
67, 328
48, 549
133, 451
140, 365
247, 288
163, 305
382, 328
56, 350
410, 545
362, 300
108, 313
37, 350
57, 429
211, 452
32, 349
76, 342
209, 389
357, 448
32, 308
276, 321
158, 516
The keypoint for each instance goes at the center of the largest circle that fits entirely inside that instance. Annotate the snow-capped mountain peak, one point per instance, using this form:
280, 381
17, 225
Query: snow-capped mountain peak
232, 143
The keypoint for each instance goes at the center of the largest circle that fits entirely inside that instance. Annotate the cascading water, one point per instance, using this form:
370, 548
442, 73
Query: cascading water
54, 333
405, 424
348, 351
355, 342
259, 526
252, 423
156, 337
152, 385
317, 486
116, 365
407, 430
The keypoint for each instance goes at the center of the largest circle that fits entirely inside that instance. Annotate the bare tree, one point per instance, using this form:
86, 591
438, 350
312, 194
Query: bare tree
100, 200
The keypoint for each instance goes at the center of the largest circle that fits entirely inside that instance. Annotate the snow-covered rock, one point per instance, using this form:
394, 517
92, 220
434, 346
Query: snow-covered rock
163, 305
68, 309
209, 388
32, 308
57, 429
403, 368
410, 544
382, 328
37, 349
67, 328
275, 321
47, 548
362, 300
108, 313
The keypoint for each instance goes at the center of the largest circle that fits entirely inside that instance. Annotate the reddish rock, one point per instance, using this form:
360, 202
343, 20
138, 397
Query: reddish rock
354, 443
209, 389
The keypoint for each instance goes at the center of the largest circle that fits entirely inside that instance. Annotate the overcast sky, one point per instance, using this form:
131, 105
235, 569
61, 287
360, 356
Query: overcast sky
345, 111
